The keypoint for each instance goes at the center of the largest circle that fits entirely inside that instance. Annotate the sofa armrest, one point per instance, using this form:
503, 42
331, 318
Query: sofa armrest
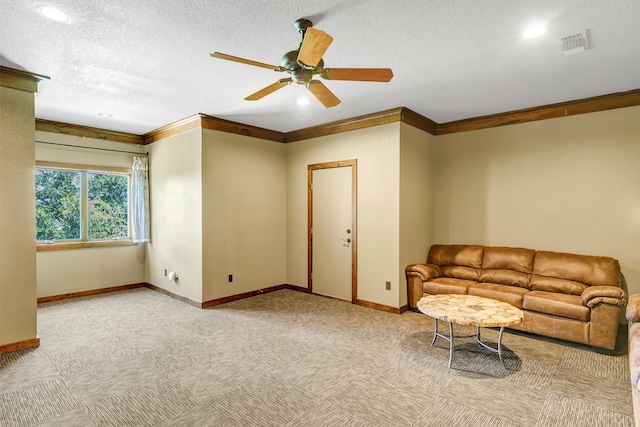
611, 295
633, 309
423, 271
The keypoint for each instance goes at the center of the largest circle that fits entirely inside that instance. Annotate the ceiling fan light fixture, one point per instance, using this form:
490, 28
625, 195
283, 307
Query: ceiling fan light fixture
533, 32
53, 14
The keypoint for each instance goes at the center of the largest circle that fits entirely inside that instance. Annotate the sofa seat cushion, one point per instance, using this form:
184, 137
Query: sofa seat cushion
447, 285
510, 294
563, 305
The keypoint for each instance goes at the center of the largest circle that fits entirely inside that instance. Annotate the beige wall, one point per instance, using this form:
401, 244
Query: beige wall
377, 150
244, 214
569, 184
77, 270
416, 200
17, 217
229, 204
175, 181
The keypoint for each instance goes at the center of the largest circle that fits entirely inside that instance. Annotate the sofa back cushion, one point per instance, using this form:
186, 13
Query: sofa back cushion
507, 266
571, 273
457, 261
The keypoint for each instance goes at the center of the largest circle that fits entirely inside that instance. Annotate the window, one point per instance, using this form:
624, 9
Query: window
57, 205
107, 206
80, 204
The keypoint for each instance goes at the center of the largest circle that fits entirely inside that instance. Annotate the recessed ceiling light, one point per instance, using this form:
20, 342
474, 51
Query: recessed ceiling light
105, 114
533, 32
302, 101
53, 14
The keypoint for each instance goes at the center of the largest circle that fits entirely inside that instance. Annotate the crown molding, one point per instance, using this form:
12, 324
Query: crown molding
418, 121
214, 123
551, 111
347, 125
401, 114
86, 131
180, 126
21, 80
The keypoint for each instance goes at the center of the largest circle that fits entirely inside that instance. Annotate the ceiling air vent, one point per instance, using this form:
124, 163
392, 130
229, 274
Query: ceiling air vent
576, 43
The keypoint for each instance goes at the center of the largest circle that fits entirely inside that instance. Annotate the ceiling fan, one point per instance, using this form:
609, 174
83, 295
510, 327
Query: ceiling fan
306, 62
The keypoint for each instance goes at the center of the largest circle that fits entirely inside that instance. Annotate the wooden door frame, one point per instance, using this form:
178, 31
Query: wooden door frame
354, 226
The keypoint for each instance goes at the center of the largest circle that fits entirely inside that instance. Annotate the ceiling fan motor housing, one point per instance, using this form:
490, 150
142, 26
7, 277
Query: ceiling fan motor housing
299, 74
290, 60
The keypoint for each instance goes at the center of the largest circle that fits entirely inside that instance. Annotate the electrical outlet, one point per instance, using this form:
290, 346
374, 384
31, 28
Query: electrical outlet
230, 278
388, 286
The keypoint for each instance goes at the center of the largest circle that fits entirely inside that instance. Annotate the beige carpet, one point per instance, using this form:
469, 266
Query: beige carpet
140, 358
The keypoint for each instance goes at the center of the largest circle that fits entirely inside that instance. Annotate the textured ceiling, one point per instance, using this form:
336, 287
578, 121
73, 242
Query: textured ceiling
147, 62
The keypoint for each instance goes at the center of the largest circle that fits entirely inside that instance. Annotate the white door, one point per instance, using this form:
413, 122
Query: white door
332, 232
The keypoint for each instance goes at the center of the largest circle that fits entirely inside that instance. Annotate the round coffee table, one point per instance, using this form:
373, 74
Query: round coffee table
469, 310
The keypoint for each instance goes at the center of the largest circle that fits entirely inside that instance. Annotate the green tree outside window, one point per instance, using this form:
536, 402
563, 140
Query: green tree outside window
57, 205
60, 199
108, 206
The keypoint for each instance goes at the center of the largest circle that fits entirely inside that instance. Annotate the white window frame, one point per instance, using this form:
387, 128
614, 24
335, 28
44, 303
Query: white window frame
83, 242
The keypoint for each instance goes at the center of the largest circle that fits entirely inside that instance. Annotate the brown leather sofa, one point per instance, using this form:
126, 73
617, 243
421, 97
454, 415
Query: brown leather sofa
633, 316
572, 297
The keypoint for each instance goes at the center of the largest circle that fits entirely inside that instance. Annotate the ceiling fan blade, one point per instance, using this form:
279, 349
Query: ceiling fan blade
246, 61
324, 95
358, 74
315, 44
269, 89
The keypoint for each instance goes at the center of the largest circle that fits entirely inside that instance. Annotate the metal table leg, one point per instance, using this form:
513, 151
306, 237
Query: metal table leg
495, 350
452, 347
449, 338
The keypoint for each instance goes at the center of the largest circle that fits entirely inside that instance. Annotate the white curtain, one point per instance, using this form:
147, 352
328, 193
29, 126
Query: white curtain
140, 199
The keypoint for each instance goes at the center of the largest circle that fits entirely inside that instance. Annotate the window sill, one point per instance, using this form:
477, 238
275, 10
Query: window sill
82, 245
